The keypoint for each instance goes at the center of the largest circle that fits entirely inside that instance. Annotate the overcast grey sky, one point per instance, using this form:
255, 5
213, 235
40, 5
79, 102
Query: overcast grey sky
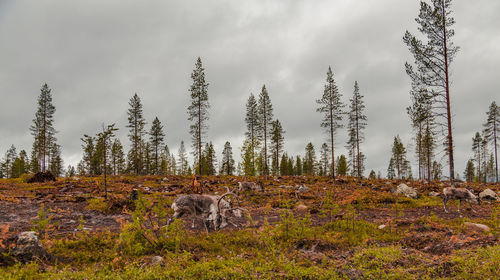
96, 54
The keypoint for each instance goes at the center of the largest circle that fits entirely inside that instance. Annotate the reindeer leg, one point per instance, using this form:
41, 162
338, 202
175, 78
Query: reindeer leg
459, 205
445, 199
470, 205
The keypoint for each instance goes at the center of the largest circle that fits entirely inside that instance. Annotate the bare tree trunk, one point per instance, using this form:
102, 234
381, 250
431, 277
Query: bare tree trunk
357, 141
199, 135
448, 109
495, 142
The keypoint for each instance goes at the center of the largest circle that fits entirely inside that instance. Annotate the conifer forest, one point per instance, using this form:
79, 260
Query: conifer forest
249, 140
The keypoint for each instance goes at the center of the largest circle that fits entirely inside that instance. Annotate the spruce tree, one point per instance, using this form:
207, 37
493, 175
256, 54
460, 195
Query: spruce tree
104, 137
198, 110
298, 166
43, 127
492, 131
248, 158
56, 162
469, 171
136, 123
399, 157
477, 149
391, 173
8, 162
331, 108
342, 167
117, 157
265, 111
277, 144
432, 61
156, 136
227, 166
357, 123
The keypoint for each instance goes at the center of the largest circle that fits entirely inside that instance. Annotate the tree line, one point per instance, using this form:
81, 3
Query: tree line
262, 151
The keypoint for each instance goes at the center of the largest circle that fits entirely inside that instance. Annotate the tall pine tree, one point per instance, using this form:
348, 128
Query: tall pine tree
198, 110
136, 123
156, 136
265, 110
357, 123
492, 131
277, 144
331, 108
252, 135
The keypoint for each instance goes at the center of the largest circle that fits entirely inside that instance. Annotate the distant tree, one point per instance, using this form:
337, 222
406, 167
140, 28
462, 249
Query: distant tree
399, 157
88, 163
9, 158
117, 157
391, 173
252, 134
469, 171
227, 166
342, 167
173, 163
80, 168
248, 159
56, 162
210, 159
70, 171
357, 123
156, 138
492, 131
432, 61
290, 168
372, 174
284, 165
437, 171
265, 111
136, 123
104, 137
477, 143
198, 110
182, 161
310, 160
277, 144
298, 166
43, 127
325, 159
147, 158
422, 118
490, 169
331, 108
20, 165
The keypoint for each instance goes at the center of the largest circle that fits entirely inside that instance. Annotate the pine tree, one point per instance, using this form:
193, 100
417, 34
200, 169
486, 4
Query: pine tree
136, 123
372, 175
357, 123
248, 158
437, 171
325, 159
182, 162
492, 131
298, 166
265, 112
277, 144
156, 136
198, 110
227, 166
423, 123
88, 161
331, 107
210, 159
70, 171
490, 169
252, 135
432, 61
104, 137
310, 160
20, 165
284, 165
43, 127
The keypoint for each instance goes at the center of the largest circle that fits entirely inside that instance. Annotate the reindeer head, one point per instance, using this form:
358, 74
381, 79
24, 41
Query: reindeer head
224, 209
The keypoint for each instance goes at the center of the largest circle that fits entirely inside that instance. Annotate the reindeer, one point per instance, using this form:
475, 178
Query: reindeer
460, 194
243, 186
214, 209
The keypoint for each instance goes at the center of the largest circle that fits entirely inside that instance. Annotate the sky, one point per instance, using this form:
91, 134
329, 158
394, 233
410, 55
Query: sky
95, 55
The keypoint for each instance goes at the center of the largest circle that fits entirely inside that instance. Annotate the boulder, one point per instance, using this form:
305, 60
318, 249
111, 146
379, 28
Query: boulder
301, 208
406, 191
477, 227
302, 188
156, 260
382, 226
489, 195
28, 247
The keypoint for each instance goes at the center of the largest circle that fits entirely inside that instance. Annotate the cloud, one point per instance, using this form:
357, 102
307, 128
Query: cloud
95, 55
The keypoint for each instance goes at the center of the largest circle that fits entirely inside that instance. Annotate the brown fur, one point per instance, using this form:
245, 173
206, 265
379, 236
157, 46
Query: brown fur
462, 194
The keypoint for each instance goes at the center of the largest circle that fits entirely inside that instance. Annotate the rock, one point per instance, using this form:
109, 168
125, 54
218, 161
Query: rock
28, 247
488, 194
302, 188
156, 260
165, 179
382, 226
477, 227
434, 194
301, 208
406, 191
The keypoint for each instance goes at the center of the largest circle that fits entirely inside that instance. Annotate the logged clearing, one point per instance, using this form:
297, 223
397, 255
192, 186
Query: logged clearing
296, 228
